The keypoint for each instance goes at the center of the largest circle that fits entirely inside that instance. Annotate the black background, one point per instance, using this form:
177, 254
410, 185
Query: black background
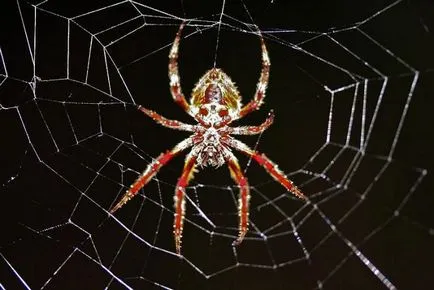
42, 184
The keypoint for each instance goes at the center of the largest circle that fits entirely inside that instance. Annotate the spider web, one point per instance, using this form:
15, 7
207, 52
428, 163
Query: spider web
351, 87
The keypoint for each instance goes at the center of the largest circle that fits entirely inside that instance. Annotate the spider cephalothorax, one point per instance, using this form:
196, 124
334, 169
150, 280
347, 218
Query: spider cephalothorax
215, 102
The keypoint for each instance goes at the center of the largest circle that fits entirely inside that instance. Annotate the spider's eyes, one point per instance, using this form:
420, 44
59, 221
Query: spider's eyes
213, 94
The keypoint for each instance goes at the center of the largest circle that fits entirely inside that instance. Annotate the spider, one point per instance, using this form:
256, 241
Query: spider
215, 102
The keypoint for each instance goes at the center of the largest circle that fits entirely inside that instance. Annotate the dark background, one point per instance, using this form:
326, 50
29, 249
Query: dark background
88, 144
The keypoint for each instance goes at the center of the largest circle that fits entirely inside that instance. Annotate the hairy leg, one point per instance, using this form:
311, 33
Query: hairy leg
268, 165
252, 130
261, 87
172, 124
244, 197
175, 86
179, 199
150, 172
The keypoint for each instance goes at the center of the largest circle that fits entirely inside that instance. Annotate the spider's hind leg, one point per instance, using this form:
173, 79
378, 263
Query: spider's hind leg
261, 87
174, 77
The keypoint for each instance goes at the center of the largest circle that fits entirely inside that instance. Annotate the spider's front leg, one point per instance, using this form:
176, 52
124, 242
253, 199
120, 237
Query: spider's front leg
150, 172
244, 197
179, 199
268, 165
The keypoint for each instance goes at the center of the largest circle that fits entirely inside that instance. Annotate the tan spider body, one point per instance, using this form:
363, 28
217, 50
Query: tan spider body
215, 102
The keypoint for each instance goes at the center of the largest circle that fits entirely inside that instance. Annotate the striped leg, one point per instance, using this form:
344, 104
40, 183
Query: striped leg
252, 130
268, 165
179, 199
261, 87
150, 172
175, 86
244, 197
172, 124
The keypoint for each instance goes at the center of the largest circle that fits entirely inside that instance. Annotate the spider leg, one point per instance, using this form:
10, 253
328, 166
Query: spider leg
252, 130
261, 87
175, 86
172, 124
269, 166
244, 197
179, 199
150, 172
